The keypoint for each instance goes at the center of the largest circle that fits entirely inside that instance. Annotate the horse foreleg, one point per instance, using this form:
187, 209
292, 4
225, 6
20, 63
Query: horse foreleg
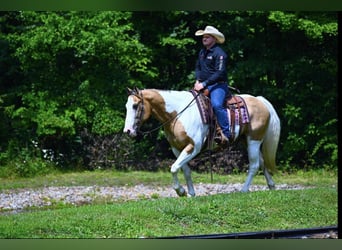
178, 187
181, 162
188, 179
254, 162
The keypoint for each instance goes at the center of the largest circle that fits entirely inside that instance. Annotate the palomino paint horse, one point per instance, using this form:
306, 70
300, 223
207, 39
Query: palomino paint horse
178, 113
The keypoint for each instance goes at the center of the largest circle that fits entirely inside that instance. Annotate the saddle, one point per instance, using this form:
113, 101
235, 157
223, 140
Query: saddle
236, 109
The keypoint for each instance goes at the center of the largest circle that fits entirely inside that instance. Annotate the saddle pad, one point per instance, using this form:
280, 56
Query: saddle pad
204, 106
238, 105
244, 115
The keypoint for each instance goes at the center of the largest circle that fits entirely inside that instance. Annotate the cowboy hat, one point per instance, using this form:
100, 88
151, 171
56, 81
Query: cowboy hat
210, 30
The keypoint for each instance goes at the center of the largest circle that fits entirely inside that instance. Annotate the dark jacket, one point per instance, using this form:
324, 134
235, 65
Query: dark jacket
211, 66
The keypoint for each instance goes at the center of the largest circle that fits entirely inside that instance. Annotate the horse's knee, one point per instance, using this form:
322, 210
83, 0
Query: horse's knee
174, 169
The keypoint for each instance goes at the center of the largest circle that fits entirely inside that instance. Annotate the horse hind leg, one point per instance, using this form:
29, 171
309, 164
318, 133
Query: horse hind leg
254, 162
268, 176
270, 182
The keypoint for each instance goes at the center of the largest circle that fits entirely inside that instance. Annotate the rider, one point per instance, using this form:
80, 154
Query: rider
211, 74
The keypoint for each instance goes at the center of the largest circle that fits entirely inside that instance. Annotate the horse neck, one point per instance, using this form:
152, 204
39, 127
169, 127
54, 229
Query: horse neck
163, 105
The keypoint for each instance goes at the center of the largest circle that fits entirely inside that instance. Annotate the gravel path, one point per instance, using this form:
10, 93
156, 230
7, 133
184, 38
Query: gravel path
18, 199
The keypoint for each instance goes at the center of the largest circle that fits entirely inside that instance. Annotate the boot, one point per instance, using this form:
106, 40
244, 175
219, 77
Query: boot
220, 138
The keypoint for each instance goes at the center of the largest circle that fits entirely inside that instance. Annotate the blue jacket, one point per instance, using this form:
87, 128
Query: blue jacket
211, 66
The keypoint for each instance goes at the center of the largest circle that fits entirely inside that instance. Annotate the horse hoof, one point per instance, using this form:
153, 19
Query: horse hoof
181, 192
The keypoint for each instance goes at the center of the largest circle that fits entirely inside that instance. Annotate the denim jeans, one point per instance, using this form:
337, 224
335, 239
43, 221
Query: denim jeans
218, 93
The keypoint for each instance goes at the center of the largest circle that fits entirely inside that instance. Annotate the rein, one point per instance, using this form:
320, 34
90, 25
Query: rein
141, 113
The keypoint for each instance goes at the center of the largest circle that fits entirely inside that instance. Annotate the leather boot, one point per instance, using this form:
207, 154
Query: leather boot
220, 138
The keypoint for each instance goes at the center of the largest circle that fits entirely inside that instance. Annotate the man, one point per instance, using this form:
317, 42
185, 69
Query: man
211, 74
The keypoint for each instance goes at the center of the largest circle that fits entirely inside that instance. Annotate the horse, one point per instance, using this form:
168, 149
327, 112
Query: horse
186, 132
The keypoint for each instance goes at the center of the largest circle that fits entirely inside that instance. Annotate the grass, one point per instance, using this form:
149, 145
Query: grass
224, 213
161, 217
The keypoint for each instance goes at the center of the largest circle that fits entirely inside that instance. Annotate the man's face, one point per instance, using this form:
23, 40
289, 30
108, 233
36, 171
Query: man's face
208, 41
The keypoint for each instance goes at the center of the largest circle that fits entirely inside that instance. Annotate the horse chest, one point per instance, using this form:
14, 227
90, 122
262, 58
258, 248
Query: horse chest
177, 137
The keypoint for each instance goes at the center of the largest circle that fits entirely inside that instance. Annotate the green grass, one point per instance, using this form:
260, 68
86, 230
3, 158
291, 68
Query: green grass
224, 213
161, 217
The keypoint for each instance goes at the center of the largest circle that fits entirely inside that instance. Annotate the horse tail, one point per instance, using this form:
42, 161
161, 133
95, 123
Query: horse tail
271, 140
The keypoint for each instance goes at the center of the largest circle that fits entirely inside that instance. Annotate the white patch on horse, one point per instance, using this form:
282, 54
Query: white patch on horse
130, 116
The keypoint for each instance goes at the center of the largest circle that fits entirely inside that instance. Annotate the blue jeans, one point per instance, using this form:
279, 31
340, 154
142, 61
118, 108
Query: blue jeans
218, 93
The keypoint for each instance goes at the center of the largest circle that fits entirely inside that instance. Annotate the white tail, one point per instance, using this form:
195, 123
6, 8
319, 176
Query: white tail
271, 140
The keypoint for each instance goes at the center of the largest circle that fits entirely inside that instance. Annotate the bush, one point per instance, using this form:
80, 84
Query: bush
24, 165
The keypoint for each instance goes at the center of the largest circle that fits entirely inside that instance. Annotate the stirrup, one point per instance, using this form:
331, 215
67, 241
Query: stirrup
221, 139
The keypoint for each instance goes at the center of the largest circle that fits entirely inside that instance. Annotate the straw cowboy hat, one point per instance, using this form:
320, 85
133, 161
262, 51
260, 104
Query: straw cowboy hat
210, 30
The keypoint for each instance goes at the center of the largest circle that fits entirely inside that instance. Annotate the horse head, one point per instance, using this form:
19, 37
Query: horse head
135, 111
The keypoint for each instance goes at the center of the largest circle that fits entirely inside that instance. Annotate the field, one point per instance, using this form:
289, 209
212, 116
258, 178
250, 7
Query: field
313, 206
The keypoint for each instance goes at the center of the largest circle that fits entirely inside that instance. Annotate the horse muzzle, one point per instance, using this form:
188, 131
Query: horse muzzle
130, 132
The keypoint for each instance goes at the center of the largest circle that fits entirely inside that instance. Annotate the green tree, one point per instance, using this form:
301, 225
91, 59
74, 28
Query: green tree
63, 75
306, 74
75, 67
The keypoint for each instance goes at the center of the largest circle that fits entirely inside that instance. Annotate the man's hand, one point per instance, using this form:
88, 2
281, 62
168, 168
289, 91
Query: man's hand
198, 86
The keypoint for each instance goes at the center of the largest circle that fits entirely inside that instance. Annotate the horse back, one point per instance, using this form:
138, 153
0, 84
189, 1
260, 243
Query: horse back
259, 117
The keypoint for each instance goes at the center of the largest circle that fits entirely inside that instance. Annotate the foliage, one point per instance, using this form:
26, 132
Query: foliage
66, 72
113, 151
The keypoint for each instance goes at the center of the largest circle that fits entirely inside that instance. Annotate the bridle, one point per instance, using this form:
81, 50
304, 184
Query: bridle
140, 110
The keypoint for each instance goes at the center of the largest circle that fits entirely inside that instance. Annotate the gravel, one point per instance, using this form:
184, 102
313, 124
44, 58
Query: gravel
18, 199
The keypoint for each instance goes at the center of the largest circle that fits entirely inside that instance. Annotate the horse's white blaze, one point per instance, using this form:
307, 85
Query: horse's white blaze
130, 116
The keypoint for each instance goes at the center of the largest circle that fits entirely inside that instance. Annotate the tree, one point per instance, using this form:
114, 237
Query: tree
63, 75
75, 68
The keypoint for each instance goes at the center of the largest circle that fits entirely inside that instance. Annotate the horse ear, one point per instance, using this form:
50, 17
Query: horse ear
136, 90
129, 91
